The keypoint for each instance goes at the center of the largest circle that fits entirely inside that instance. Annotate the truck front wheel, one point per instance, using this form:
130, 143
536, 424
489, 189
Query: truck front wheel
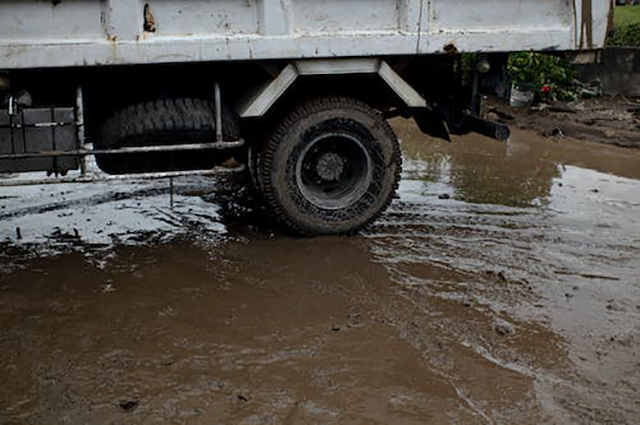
331, 166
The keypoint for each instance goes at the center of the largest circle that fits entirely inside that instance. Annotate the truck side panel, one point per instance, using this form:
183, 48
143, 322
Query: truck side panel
60, 33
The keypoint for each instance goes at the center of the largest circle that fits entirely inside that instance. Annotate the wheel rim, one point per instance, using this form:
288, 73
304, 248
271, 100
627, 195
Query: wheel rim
333, 171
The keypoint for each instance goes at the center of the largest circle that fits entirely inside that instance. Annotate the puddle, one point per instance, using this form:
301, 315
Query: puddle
501, 286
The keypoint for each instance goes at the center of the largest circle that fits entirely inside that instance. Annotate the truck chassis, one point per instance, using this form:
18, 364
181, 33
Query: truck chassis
298, 91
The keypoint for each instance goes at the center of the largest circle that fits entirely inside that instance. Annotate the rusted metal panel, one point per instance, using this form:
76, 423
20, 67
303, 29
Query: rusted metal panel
90, 32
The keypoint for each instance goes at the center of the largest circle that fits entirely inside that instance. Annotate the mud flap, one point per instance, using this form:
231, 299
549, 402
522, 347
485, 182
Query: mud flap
492, 129
434, 124
431, 123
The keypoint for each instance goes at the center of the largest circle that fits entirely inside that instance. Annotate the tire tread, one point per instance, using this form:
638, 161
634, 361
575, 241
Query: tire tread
306, 109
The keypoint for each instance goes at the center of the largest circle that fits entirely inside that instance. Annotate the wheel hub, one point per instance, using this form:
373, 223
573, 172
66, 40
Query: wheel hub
330, 166
334, 170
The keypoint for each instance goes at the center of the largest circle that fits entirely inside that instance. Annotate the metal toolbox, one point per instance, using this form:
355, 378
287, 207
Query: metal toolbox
38, 130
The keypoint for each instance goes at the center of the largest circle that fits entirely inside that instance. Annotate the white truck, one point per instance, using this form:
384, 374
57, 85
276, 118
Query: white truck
298, 90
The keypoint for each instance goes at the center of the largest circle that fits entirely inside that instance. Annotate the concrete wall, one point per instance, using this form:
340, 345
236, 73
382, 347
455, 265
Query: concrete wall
618, 70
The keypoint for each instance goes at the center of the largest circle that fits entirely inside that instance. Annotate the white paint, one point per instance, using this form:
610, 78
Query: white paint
407, 93
269, 94
122, 19
88, 32
338, 66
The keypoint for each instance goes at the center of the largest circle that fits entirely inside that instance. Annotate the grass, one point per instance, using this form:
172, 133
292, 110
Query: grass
627, 15
627, 27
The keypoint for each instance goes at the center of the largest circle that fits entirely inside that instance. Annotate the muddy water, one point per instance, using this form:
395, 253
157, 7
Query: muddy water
503, 286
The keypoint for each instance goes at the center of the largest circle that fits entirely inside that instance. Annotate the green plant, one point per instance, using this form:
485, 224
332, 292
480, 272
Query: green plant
627, 15
465, 67
627, 27
553, 73
625, 35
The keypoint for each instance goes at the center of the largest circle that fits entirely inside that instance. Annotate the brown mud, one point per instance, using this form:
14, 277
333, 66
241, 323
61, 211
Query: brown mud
502, 286
613, 120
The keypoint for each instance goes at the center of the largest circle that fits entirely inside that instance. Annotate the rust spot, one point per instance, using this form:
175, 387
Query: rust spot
149, 20
450, 49
611, 23
586, 27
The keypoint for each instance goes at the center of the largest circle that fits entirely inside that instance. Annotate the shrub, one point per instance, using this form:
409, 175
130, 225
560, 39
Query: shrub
626, 35
542, 70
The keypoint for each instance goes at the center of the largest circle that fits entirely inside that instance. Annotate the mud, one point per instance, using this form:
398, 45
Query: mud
501, 287
611, 120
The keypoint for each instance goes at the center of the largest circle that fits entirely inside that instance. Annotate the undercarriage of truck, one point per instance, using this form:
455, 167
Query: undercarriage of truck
313, 134
297, 92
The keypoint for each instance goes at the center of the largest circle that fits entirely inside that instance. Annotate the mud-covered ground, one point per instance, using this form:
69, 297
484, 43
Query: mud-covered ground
502, 286
611, 120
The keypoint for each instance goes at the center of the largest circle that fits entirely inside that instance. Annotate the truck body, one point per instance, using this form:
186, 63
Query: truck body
65, 33
164, 87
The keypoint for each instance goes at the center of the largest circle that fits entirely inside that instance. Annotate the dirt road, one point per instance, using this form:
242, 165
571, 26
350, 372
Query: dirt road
503, 286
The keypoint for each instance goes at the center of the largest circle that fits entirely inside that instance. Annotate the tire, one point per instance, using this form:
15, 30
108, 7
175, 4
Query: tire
163, 122
253, 159
332, 166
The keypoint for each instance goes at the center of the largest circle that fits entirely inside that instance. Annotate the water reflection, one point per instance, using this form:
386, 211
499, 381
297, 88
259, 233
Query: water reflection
519, 173
515, 301
535, 206
485, 172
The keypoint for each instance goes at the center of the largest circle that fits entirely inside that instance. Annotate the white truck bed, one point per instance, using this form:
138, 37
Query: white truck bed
62, 33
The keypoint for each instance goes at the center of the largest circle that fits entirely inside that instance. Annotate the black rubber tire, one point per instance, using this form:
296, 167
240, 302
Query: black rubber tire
163, 122
279, 166
254, 154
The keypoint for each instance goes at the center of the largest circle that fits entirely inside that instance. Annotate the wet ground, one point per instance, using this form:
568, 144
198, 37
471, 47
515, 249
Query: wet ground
611, 120
502, 286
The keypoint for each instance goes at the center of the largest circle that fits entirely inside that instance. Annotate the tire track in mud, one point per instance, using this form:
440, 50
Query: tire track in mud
528, 265
494, 298
447, 309
89, 201
47, 218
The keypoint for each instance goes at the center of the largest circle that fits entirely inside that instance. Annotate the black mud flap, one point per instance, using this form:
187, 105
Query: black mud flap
431, 123
492, 129
434, 124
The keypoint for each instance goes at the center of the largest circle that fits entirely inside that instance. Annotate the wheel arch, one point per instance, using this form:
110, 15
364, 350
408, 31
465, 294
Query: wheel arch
384, 86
